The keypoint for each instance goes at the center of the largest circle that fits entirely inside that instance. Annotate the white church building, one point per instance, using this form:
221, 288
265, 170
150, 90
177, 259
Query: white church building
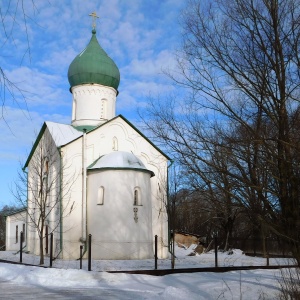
99, 175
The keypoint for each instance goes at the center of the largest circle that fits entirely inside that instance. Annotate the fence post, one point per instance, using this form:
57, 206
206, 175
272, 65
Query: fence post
268, 260
216, 251
90, 253
155, 252
81, 247
267, 251
51, 248
173, 250
21, 246
46, 235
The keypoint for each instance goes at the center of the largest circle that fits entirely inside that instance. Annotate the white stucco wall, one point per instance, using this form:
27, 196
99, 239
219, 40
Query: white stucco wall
72, 225
12, 222
120, 229
36, 168
128, 139
102, 141
93, 104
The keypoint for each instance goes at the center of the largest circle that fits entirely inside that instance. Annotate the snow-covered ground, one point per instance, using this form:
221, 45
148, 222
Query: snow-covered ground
253, 284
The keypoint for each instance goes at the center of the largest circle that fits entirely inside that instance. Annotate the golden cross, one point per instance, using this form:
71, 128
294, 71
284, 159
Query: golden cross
94, 16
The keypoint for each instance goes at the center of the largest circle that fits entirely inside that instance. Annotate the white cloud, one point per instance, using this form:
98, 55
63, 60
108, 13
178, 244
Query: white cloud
21, 128
40, 88
59, 61
136, 93
151, 66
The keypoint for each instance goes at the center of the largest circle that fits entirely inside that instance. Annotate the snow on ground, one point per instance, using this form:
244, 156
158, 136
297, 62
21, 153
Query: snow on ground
253, 284
182, 261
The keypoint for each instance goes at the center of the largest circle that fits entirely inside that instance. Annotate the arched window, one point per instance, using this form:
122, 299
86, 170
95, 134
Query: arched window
100, 196
137, 196
46, 165
46, 169
115, 144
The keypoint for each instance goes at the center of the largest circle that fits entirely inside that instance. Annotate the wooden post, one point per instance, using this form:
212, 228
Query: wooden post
155, 252
21, 246
90, 253
46, 235
51, 248
216, 251
173, 250
81, 247
267, 252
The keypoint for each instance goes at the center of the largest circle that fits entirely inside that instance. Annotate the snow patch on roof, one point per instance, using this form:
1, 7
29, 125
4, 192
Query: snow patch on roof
62, 133
119, 160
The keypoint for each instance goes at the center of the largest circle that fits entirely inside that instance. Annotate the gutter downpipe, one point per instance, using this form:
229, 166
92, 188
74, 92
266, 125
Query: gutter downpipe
84, 208
60, 202
26, 234
168, 208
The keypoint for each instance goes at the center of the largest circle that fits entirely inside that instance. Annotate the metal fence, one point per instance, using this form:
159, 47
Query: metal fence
256, 246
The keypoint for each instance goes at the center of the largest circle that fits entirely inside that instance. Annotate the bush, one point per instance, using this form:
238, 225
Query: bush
289, 284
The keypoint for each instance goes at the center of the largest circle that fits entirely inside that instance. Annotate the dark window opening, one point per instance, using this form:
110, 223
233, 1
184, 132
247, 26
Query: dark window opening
17, 234
23, 240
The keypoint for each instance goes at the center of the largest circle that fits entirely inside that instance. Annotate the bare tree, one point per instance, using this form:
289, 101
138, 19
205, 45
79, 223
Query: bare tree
171, 203
14, 15
44, 192
240, 64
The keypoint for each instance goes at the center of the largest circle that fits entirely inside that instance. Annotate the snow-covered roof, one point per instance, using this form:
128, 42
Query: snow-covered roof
62, 133
119, 160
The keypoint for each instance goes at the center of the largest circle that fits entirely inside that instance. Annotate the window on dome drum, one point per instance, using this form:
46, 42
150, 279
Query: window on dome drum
103, 114
100, 196
17, 233
137, 196
74, 110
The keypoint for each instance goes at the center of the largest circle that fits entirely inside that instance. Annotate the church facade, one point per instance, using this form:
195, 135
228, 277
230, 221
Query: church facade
98, 176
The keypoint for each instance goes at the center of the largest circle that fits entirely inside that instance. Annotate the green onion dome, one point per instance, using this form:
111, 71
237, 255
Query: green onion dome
93, 65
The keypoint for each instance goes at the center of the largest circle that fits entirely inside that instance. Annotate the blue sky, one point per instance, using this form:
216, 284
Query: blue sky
141, 36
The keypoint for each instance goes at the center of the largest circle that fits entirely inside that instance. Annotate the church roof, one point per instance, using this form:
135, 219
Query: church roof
62, 134
14, 212
93, 65
119, 160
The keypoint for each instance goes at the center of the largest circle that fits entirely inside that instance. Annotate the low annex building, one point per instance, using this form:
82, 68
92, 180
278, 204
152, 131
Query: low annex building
102, 175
